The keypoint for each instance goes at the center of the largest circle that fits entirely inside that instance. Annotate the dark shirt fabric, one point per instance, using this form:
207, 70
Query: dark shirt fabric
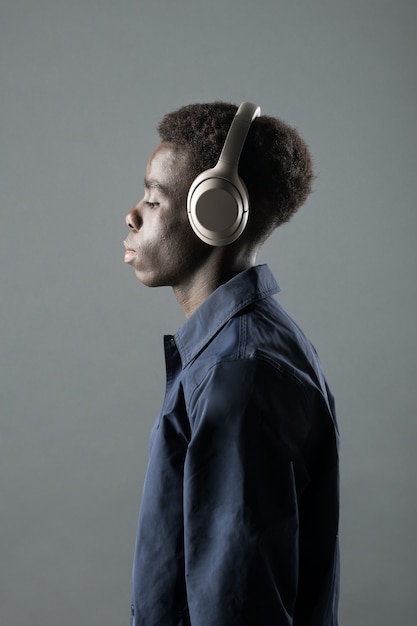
239, 516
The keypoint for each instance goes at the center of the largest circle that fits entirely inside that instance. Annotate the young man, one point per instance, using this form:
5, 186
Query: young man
239, 515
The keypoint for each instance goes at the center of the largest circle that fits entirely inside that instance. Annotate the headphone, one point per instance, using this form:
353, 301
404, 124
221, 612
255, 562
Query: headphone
218, 201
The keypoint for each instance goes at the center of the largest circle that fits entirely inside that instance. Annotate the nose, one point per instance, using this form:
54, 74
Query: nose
133, 218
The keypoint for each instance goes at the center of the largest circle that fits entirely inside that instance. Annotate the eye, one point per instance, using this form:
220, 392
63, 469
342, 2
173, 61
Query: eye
152, 205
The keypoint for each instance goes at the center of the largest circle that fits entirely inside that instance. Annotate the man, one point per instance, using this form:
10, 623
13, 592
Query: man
239, 515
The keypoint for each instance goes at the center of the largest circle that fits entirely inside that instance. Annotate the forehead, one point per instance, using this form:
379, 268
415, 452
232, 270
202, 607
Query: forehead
167, 168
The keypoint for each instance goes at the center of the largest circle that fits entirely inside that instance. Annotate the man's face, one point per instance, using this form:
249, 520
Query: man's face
161, 245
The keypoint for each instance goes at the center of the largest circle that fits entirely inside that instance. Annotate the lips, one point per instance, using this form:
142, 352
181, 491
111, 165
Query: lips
130, 254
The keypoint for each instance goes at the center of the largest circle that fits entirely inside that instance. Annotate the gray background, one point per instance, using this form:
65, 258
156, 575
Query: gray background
83, 85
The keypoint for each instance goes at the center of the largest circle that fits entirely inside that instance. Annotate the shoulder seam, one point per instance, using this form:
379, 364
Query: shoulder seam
261, 357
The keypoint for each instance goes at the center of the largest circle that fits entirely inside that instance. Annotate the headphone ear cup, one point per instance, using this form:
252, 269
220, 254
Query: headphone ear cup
217, 208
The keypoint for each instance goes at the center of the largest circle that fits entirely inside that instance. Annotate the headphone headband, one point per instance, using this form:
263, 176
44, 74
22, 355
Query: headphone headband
237, 134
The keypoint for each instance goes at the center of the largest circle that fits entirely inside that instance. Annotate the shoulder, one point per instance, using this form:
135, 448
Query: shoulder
260, 338
254, 387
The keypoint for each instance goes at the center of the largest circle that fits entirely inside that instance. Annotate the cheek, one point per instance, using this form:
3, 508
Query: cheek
177, 235
170, 248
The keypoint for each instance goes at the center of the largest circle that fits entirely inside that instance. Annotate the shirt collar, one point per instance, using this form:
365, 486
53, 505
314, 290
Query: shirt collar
228, 299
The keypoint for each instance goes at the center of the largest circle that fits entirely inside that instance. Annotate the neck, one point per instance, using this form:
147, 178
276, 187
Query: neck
219, 270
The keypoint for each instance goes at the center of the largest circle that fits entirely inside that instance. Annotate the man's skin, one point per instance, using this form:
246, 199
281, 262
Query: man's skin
161, 245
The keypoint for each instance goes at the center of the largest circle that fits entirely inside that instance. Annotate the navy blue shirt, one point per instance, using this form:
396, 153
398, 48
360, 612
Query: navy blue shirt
239, 516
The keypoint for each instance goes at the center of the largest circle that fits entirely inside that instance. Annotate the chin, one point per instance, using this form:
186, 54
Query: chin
150, 280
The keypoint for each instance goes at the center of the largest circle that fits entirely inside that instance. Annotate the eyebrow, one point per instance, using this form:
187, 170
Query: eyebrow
153, 184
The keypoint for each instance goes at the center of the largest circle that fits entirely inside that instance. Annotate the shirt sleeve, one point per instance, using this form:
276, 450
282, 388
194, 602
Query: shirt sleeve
244, 471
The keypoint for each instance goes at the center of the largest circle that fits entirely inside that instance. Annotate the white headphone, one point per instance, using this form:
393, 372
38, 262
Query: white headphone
218, 201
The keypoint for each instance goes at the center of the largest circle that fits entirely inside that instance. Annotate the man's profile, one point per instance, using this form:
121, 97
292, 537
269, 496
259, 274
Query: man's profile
239, 516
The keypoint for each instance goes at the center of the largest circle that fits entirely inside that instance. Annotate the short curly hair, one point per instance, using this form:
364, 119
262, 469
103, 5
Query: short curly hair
275, 163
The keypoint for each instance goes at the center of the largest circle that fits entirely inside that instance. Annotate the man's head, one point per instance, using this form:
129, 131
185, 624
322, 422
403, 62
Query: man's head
275, 163
275, 166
